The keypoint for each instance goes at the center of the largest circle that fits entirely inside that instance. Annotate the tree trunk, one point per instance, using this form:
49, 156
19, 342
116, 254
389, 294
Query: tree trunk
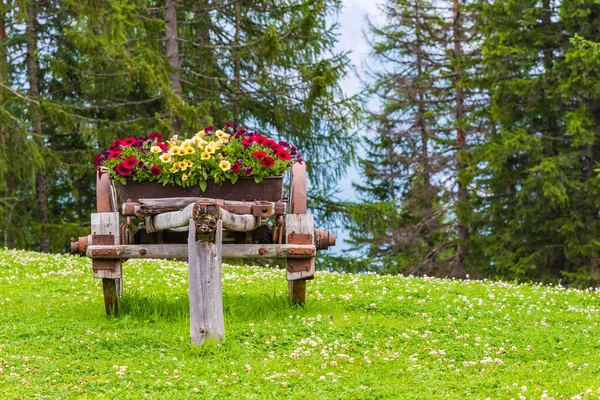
173, 54
237, 66
35, 116
461, 147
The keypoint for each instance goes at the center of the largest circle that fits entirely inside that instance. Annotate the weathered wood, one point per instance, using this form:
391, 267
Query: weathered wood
206, 294
297, 291
181, 251
299, 229
107, 223
176, 219
149, 207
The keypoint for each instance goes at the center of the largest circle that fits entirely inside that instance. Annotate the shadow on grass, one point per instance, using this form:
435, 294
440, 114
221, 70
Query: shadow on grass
237, 308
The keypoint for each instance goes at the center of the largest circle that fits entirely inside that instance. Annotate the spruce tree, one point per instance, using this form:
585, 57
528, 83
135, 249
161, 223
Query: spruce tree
537, 217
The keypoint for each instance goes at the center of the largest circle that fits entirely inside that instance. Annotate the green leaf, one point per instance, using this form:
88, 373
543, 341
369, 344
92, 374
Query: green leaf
202, 185
234, 178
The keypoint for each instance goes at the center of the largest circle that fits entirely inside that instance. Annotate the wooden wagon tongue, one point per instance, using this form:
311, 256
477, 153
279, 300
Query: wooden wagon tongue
292, 236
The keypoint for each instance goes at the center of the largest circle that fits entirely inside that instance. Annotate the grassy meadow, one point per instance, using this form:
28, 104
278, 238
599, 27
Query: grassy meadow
358, 336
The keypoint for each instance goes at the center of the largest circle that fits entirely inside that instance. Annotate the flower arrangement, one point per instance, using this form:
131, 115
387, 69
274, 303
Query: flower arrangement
222, 155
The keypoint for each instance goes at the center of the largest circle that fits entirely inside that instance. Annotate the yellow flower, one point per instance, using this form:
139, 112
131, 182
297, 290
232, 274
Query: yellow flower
174, 150
189, 150
222, 157
205, 155
186, 143
210, 148
182, 165
220, 133
181, 151
217, 144
165, 158
198, 141
189, 163
201, 133
174, 169
184, 177
155, 149
225, 165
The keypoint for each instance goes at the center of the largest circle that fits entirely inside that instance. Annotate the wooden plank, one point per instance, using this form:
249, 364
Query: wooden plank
180, 251
300, 228
205, 287
107, 223
149, 207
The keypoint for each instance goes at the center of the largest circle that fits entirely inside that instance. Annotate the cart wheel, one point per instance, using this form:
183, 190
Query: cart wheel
298, 205
106, 202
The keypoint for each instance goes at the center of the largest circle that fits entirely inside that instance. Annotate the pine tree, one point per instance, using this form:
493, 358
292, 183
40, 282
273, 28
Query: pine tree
403, 222
537, 218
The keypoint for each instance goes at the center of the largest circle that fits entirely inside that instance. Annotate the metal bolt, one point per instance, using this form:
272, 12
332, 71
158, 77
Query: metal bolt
264, 210
262, 251
143, 252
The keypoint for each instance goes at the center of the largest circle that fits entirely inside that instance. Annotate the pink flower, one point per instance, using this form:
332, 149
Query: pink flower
156, 136
115, 154
267, 162
155, 170
283, 155
130, 162
128, 142
162, 146
247, 142
123, 170
116, 143
259, 155
99, 159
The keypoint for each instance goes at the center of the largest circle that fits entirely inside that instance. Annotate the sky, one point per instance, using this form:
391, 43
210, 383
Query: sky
353, 25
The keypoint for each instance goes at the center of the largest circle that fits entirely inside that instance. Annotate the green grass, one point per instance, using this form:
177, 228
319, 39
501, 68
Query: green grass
359, 336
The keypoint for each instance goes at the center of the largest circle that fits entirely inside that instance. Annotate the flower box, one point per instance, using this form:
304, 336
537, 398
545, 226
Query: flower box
244, 189
229, 164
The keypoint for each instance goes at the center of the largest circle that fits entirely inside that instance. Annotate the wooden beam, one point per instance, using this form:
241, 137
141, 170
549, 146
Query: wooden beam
107, 223
181, 251
300, 230
206, 292
177, 219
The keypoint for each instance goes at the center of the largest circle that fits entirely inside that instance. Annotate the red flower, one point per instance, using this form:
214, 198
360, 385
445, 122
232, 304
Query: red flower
116, 143
155, 170
130, 162
228, 124
99, 159
283, 155
123, 170
157, 136
163, 147
284, 144
260, 140
235, 168
209, 128
267, 162
276, 148
128, 142
270, 143
259, 155
115, 154
247, 142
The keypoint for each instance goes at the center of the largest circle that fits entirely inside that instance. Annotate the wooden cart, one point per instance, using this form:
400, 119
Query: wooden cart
241, 220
